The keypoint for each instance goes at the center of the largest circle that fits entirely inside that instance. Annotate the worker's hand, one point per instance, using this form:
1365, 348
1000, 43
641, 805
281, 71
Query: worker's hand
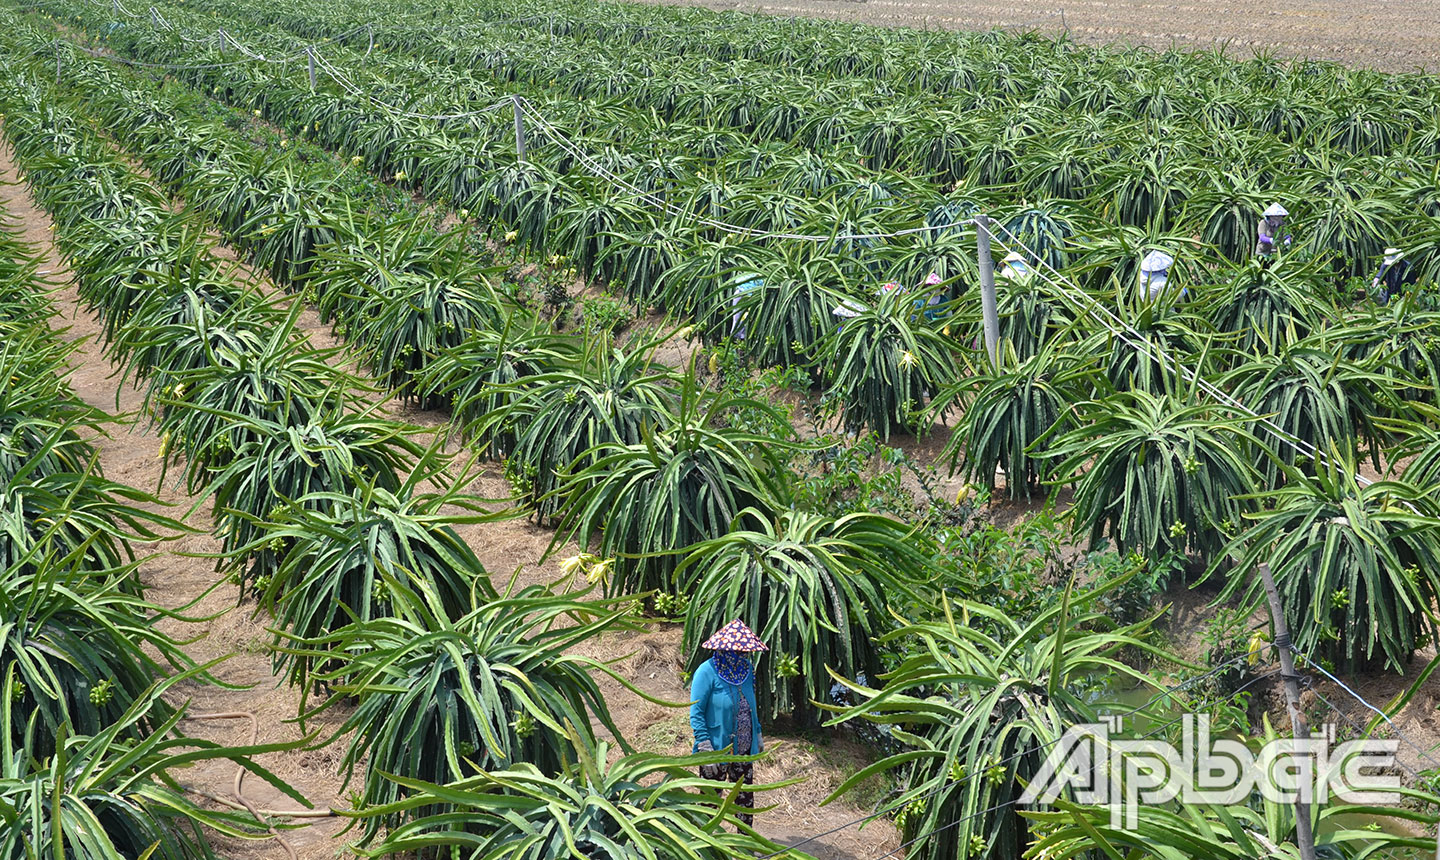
1287, 238
704, 747
713, 771
1267, 240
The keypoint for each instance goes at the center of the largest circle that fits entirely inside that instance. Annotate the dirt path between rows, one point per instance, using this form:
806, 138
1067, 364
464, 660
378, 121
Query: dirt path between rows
178, 577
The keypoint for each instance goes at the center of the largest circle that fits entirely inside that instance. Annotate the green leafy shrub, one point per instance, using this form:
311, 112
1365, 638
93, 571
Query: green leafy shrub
405, 293
110, 794
283, 464
1357, 567
343, 551
975, 700
561, 418
479, 377
644, 503
77, 515
816, 589
885, 362
1266, 307
40, 420
212, 413
1011, 415
604, 315
78, 649
443, 700
1316, 401
599, 808
1157, 477
786, 319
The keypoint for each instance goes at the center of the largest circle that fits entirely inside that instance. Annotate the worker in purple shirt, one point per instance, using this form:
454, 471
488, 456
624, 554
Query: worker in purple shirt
1268, 237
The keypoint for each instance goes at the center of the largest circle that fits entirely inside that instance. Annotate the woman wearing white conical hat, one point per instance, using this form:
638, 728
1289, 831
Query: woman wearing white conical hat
1155, 273
1268, 238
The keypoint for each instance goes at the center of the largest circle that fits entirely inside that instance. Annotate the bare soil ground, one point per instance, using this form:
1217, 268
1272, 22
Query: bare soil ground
1375, 33
1381, 34
179, 576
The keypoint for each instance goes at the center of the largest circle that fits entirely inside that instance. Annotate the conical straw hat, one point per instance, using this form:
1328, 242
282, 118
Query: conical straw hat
734, 636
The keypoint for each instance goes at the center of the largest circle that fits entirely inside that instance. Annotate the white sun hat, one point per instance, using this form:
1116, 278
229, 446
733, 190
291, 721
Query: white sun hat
1156, 261
1276, 211
1393, 255
1013, 257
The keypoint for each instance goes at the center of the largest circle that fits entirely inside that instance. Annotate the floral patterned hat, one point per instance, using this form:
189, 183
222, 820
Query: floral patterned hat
735, 636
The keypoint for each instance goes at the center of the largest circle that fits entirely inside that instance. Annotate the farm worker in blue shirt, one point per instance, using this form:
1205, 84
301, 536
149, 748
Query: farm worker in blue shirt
1015, 270
723, 715
1393, 274
745, 283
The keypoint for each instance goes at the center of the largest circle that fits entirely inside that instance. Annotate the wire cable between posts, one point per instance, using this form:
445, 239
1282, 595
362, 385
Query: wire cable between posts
354, 89
529, 110
930, 834
1312, 663
1123, 331
593, 165
1159, 696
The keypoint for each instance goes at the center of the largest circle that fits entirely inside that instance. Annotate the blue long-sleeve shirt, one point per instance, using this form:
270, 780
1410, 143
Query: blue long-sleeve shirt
713, 706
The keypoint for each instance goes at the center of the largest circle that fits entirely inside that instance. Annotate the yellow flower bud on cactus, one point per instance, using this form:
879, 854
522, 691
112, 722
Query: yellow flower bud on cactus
1256, 646
599, 572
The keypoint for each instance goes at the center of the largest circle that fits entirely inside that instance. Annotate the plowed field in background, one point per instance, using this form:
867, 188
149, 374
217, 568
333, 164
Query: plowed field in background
1392, 35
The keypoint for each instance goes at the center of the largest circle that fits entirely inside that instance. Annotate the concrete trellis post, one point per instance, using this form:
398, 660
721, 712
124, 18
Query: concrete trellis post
1304, 837
991, 315
519, 130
